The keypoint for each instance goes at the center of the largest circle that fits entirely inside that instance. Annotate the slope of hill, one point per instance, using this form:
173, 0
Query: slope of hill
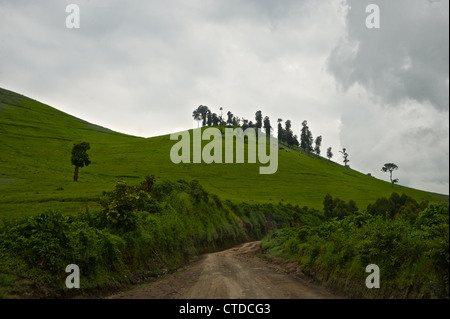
36, 173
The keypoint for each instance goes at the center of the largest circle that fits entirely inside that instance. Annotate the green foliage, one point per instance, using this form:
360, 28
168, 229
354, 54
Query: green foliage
121, 205
337, 208
79, 156
148, 228
404, 206
408, 241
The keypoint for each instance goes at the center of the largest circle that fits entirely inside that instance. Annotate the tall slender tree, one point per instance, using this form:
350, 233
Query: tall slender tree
267, 126
280, 130
221, 115
197, 116
345, 155
258, 119
244, 124
318, 144
208, 118
229, 118
288, 134
306, 138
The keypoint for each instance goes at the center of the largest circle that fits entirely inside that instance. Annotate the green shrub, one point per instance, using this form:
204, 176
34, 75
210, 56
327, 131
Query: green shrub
411, 247
144, 229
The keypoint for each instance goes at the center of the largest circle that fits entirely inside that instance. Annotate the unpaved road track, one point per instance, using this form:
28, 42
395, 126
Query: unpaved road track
236, 273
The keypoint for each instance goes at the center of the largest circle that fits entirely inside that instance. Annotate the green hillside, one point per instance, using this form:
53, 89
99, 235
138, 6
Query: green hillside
36, 173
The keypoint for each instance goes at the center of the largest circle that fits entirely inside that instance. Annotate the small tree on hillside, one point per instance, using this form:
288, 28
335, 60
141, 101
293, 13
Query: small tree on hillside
259, 119
267, 126
345, 155
221, 116
306, 138
215, 119
79, 157
280, 130
197, 116
318, 144
329, 153
201, 114
229, 118
390, 167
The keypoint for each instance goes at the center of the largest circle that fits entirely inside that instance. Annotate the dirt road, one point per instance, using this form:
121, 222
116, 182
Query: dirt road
236, 273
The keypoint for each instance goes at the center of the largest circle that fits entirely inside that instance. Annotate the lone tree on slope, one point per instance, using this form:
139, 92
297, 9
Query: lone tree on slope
329, 153
318, 144
345, 155
267, 126
258, 119
306, 138
390, 167
79, 157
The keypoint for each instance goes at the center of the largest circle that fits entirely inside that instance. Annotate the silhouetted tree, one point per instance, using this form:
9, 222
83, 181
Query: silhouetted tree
280, 130
200, 114
306, 138
390, 167
345, 155
209, 118
215, 120
289, 137
318, 143
197, 116
329, 153
230, 118
267, 126
287, 126
258, 119
244, 124
221, 115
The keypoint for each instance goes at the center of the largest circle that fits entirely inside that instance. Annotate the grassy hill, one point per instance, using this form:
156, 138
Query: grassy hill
36, 173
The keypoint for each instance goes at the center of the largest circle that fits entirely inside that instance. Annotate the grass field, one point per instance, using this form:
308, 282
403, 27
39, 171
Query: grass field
36, 173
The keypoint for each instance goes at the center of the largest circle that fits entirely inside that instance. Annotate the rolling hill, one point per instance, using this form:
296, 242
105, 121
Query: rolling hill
36, 173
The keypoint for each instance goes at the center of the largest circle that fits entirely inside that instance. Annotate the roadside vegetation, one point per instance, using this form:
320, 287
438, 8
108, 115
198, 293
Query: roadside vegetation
408, 241
141, 231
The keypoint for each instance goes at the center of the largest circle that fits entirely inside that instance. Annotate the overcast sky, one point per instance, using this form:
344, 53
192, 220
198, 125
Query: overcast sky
142, 67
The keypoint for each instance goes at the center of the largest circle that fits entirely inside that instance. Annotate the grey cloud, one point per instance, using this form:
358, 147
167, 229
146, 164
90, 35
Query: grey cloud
406, 58
140, 67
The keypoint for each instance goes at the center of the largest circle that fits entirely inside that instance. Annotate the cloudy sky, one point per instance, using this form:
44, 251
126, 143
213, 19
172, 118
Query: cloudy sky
142, 67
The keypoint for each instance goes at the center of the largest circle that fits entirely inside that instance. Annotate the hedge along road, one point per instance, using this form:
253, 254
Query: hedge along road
235, 273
